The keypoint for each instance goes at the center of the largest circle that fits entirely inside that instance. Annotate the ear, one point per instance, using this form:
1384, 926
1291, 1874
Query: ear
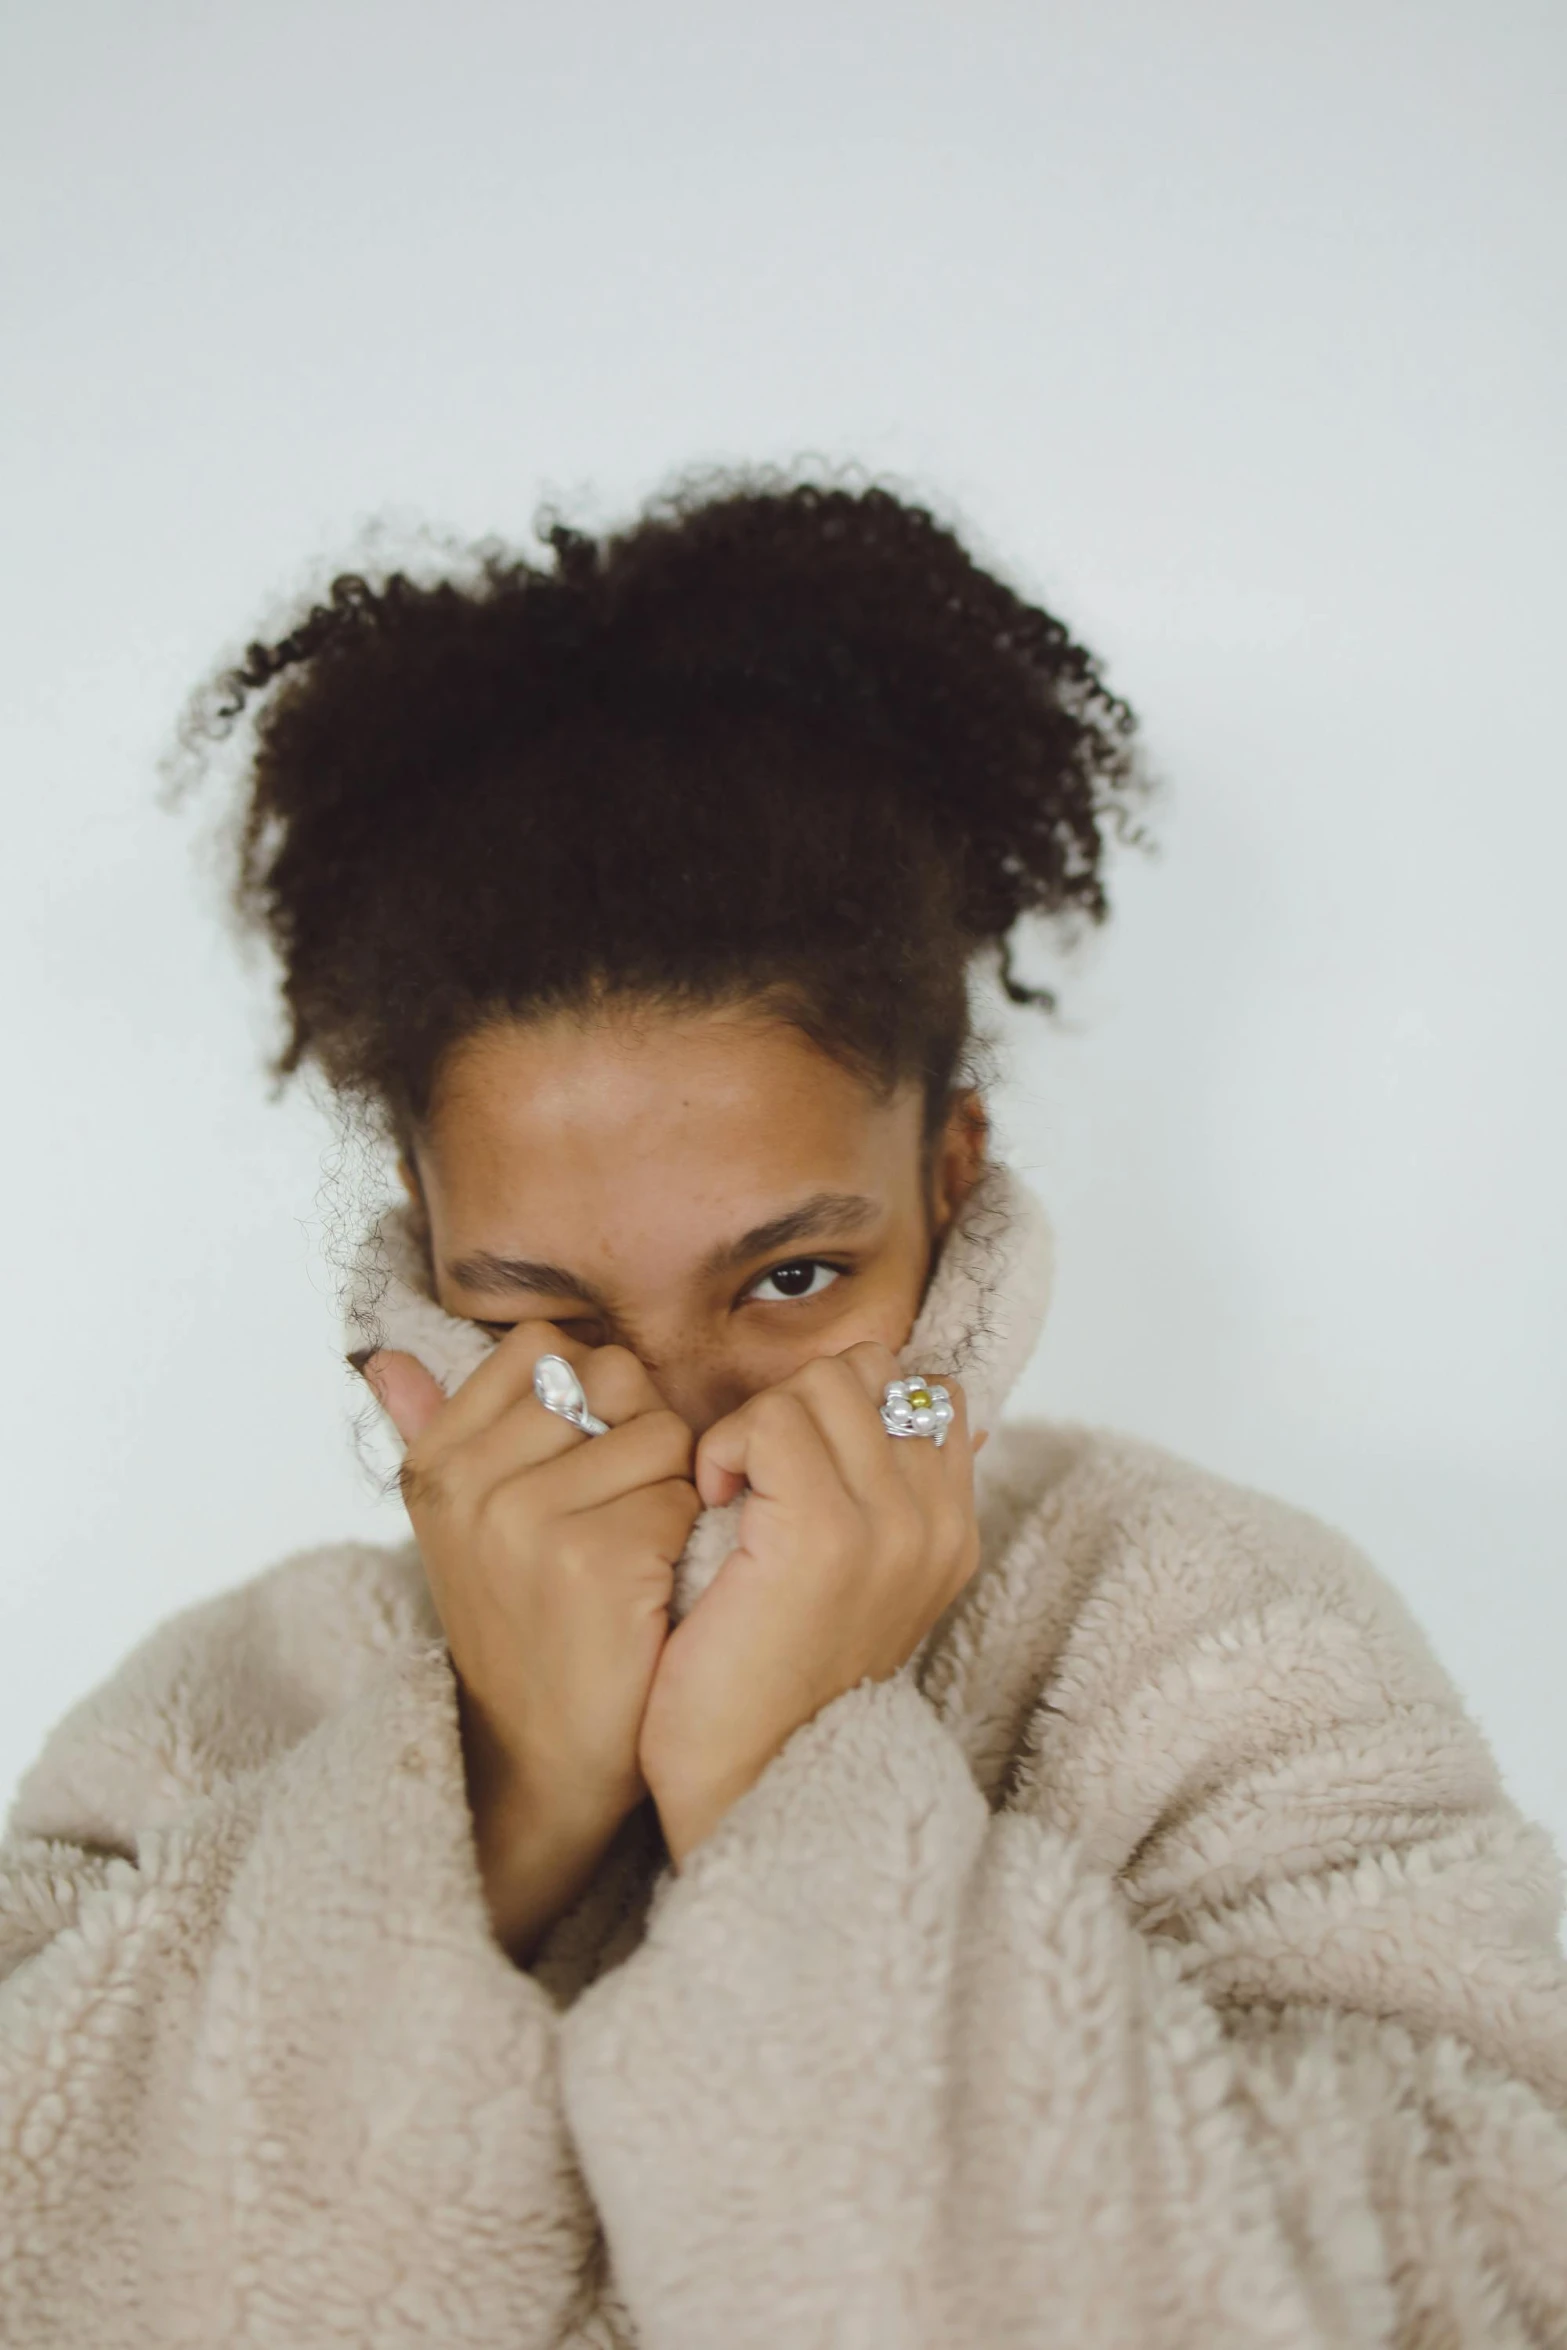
409, 1180
959, 1157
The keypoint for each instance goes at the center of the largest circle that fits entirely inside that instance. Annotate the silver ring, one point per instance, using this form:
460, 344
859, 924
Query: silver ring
917, 1406
559, 1390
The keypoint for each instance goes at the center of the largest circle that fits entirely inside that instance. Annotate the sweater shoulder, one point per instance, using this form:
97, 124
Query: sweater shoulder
1165, 1547
1134, 1606
222, 1687
1229, 1709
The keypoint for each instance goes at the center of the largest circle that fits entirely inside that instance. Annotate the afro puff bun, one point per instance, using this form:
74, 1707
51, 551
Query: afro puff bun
773, 740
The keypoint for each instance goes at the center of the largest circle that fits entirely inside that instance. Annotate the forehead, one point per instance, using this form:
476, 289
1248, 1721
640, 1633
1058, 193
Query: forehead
603, 1125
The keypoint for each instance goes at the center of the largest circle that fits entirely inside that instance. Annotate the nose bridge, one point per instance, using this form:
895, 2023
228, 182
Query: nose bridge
692, 1368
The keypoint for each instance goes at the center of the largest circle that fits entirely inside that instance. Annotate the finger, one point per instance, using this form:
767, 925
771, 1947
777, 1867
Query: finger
411, 1397
404, 1389
843, 1393
656, 1518
650, 1449
618, 1390
941, 1476
868, 1456
773, 1444
506, 1376
930, 1464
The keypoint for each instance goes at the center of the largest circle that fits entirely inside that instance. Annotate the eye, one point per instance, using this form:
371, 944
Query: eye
797, 1279
586, 1331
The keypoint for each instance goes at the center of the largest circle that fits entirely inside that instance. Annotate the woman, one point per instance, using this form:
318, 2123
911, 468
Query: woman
755, 1868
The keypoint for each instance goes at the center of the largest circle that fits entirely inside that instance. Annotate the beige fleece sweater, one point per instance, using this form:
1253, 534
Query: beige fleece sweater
1155, 1961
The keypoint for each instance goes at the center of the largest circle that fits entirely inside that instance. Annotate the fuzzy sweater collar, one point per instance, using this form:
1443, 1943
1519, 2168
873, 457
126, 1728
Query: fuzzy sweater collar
980, 1320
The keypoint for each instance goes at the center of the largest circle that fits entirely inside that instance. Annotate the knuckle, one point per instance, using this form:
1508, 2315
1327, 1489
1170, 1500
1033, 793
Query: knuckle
571, 1552
498, 1517
619, 1380
668, 1433
544, 1338
680, 1505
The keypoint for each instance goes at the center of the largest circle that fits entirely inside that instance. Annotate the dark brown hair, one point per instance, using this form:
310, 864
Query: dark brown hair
776, 740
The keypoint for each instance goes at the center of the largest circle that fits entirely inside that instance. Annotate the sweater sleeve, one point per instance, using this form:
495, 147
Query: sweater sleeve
266, 2076
1240, 2021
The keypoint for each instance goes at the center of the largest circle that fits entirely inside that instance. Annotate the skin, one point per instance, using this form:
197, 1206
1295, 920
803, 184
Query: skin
621, 1148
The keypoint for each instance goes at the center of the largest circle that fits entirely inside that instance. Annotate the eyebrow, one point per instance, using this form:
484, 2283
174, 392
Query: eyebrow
825, 1215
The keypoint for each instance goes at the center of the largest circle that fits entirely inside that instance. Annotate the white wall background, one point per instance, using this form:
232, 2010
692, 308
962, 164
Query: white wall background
1235, 331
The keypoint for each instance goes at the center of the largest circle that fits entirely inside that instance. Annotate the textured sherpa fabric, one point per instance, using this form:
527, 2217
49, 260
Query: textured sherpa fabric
1156, 1962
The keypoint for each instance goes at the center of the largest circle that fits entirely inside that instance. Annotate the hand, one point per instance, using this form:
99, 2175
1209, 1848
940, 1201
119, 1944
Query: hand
550, 1557
852, 1544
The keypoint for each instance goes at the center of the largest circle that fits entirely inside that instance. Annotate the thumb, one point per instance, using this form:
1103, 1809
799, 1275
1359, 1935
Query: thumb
405, 1390
722, 1463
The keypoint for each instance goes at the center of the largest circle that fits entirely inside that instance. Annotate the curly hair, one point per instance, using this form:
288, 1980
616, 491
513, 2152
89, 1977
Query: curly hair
776, 741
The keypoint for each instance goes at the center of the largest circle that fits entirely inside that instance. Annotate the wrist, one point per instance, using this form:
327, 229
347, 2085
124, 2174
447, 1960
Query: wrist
688, 1815
552, 1802
534, 1863
537, 1838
